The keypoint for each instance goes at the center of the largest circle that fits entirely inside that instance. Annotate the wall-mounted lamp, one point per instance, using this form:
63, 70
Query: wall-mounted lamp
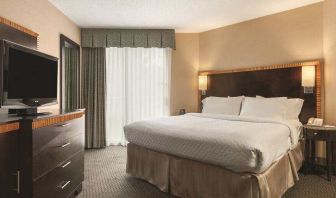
308, 79
203, 84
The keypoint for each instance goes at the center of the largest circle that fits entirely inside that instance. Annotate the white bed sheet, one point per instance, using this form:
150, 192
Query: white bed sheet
241, 144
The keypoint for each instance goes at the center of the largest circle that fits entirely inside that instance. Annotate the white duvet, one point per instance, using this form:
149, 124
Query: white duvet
241, 144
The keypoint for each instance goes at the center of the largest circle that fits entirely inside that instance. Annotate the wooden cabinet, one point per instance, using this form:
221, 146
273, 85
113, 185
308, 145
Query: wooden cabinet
48, 154
312, 134
9, 160
62, 180
61, 140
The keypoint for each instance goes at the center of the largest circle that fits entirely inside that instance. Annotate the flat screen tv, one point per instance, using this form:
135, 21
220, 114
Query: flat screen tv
29, 76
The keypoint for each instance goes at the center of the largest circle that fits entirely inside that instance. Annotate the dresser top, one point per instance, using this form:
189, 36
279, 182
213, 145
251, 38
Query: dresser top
5, 118
320, 128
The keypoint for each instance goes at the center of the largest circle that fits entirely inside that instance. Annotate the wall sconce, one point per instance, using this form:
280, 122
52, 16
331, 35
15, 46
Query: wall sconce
308, 79
203, 84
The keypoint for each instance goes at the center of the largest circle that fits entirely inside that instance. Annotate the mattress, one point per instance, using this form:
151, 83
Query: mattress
241, 144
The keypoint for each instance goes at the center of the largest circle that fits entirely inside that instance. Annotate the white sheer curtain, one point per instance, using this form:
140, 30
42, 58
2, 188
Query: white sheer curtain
138, 87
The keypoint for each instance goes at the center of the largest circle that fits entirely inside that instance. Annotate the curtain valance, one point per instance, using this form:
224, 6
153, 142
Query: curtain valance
161, 38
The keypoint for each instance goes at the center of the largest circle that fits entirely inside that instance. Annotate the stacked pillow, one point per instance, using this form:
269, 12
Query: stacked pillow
263, 107
293, 107
222, 105
274, 108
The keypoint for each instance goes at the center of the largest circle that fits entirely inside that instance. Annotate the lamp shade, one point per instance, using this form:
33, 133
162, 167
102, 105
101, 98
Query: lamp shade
202, 82
308, 76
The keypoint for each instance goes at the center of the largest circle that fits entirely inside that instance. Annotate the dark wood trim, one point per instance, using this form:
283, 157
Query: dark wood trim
317, 63
54, 120
4, 128
18, 27
66, 42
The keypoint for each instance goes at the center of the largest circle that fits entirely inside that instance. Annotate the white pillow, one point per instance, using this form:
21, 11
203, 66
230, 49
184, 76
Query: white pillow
273, 108
222, 105
293, 108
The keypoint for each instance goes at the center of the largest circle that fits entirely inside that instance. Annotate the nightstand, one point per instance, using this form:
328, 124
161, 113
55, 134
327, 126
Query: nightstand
312, 134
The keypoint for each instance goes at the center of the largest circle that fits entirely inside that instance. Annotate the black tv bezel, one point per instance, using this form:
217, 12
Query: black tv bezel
5, 60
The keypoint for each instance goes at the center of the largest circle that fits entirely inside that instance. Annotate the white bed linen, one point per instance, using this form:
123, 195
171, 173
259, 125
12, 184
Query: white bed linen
241, 144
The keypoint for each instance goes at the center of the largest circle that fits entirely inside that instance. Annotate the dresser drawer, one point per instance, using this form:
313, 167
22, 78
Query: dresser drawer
59, 132
314, 135
61, 181
55, 153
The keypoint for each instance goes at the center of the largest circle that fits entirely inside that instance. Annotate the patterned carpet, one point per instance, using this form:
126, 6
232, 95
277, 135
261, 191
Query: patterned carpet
105, 177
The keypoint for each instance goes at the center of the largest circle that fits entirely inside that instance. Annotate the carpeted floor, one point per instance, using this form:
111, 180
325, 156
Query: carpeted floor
105, 177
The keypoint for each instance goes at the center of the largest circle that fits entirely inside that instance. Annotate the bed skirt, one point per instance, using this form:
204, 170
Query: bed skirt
188, 178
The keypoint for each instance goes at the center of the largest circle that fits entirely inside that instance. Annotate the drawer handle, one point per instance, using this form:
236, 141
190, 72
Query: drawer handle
64, 185
65, 145
17, 189
66, 164
63, 125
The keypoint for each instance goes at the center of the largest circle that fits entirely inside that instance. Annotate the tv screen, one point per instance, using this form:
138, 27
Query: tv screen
30, 77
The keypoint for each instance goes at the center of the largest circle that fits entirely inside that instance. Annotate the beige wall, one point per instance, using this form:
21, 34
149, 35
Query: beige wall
42, 17
329, 47
290, 36
329, 38
280, 38
184, 73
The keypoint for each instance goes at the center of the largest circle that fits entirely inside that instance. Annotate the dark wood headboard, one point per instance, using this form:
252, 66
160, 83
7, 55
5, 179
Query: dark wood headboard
268, 81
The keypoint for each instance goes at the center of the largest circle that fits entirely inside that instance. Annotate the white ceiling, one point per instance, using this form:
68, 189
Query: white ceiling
182, 15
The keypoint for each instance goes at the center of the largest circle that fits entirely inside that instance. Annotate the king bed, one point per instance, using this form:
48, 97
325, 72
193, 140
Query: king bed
239, 146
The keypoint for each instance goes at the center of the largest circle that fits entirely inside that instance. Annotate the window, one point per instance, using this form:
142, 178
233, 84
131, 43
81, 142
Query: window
137, 87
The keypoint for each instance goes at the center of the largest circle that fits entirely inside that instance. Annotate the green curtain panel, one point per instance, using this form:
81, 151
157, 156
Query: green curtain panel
160, 38
94, 85
72, 80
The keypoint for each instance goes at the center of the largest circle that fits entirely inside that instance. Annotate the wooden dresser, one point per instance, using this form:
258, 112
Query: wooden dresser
42, 156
